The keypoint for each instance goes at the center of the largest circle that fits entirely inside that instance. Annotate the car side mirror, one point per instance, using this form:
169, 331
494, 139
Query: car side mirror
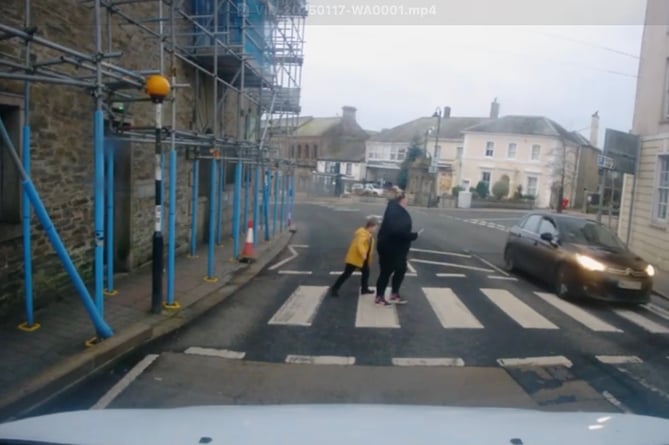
547, 236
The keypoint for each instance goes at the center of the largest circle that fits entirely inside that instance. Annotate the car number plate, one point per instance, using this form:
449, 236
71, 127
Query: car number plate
624, 284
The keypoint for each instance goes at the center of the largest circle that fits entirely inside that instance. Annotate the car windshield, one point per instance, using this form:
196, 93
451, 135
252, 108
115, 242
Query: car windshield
590, 233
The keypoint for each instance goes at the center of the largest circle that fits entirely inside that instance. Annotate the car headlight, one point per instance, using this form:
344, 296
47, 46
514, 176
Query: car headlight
650, 270
589, 263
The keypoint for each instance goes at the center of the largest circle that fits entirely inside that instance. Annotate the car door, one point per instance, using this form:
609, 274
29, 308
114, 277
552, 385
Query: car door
545, 253
525, 241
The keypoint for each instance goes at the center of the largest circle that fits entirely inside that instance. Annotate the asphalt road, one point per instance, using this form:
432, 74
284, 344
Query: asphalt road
471, 335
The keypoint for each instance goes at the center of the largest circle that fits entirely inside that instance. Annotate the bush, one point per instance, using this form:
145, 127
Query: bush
456, 190
500, 189
482, 189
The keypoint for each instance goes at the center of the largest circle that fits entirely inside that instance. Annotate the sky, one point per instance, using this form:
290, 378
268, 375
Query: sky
394, 71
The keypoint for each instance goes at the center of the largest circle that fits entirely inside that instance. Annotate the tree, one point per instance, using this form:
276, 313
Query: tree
482, 189
414, 152
501, 187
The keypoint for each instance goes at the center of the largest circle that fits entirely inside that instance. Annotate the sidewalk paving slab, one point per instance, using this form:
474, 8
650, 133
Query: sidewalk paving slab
37, 366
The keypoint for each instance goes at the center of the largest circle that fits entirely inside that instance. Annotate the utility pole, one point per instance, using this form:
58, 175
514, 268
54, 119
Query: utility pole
562, 175
435, 159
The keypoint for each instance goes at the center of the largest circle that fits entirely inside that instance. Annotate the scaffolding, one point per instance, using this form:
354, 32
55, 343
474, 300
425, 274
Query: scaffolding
249, 49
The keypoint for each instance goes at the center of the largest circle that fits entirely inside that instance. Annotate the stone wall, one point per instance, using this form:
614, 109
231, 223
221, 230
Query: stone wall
61, 118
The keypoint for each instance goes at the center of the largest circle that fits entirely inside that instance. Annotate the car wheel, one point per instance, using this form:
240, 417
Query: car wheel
563, 282
509, 263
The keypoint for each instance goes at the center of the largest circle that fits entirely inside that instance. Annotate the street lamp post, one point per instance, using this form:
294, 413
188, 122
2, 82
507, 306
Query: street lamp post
439, 114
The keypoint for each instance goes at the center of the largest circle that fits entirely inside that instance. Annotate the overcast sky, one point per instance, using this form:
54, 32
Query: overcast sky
393, 73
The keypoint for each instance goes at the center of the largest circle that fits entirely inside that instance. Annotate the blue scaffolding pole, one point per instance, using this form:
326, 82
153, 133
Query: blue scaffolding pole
102, 328
236, 204
265, 201
277, 175
110, 149
283, 202
245, 217
212, 222
171, 225
219, 200
256, 203
99, 209
193, 208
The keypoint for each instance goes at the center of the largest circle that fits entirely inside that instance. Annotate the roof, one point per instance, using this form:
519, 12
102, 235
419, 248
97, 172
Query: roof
316, 126
451, 128
350, 151
528, 125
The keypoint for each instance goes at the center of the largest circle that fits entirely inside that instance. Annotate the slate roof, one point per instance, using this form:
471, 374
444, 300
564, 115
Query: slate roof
528, 125
451, 128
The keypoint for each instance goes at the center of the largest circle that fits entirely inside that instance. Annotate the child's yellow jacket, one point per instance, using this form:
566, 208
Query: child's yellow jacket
363, 242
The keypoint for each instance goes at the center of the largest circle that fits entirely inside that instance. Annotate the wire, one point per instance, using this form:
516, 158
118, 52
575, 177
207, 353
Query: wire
583, 42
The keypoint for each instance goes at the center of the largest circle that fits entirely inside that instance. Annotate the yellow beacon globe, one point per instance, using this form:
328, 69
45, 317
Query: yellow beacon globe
157, 87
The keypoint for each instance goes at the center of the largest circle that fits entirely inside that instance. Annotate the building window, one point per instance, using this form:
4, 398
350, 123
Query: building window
511, 152
299, 152
349, 169
306, 151
393, 154
666, 92
314, 149
662, 190
536, 152
292, 151
401, 154
10, 196
459, 152
489, 149
532, 183
486, 177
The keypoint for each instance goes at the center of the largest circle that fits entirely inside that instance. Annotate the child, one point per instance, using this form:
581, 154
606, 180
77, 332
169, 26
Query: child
359, 256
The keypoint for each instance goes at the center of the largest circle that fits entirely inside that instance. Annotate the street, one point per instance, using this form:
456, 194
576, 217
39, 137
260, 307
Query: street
471, 334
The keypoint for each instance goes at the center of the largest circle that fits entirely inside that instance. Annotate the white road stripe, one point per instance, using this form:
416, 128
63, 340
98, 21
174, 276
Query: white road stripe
657, 310
437, 361
450, 310
411, 268
497, 277
127, 379
285, 260
339, 272
516, 309
300, 308
295, 272
578, 314
451, 275
615, 402
300, 246
209, 352
642, 321
643, 382
319, 360
618, 359
488, 263
557, 360
369, 315
438, 252
459, 266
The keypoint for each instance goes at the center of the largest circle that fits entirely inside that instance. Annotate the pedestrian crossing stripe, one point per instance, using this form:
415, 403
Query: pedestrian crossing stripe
451, 311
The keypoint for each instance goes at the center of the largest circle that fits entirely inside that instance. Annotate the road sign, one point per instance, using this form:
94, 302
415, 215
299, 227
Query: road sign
604, 162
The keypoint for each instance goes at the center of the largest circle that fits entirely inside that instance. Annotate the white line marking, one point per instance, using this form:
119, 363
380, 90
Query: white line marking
516, 309
450, 310
497, 277
438, 252
127, 379
577, 313
438, 263
300, 246
451, 275
369, 315
300, 308
643, 382
441, 361
209, 352
488, 263
642, 321
615, 402
339, 272
319, 360
657, 310
557, 360
285, 260
410, 274
410, 268
295, 272
618, 359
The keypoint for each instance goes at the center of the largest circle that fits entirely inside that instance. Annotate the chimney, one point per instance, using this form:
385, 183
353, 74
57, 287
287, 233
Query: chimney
348, 113
494, 109
594, 129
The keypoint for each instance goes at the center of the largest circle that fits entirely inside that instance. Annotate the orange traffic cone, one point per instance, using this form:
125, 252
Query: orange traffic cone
248, 252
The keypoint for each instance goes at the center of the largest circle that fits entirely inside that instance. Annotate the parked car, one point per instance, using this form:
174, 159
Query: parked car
579, 257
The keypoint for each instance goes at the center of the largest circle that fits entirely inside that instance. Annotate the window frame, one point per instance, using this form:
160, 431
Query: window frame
515, 150
489, 145
658, 188
538, 157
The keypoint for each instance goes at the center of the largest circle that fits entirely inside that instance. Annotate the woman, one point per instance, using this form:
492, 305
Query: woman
394, 240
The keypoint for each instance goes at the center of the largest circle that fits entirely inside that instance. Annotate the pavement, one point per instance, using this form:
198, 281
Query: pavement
471, 335
38, 366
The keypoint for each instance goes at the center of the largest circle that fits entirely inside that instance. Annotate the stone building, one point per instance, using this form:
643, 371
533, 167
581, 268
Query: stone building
61, 120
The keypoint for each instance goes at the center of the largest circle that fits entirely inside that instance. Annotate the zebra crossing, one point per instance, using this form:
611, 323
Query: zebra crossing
452, 310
